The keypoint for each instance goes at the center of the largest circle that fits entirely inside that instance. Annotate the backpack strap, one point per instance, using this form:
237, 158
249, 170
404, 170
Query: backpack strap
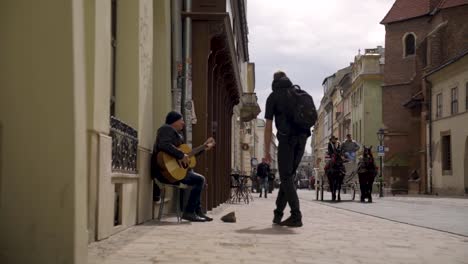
296, 86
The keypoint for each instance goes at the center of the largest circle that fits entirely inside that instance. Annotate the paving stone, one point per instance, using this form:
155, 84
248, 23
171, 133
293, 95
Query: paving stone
329, 235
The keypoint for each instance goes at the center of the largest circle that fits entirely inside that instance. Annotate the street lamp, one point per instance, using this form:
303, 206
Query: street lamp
380, 136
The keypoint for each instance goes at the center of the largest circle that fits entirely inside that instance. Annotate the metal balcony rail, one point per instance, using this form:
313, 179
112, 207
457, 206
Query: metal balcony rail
124, 147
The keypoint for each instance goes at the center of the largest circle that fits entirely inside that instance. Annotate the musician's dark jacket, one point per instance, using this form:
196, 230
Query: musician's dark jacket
167, 140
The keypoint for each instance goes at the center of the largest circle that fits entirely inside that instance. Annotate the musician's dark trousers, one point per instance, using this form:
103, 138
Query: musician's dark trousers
290, 151
196, 181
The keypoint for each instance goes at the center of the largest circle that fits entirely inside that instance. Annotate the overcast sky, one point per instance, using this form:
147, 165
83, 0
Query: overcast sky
310, 39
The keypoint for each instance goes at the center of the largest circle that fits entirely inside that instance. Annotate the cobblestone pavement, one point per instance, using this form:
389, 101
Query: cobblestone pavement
440, 213
329, 235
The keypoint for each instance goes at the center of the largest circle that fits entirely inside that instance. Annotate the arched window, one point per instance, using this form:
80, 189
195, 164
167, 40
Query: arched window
409, 44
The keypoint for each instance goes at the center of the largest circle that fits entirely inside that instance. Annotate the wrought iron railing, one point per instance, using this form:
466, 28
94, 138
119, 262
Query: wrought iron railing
124, 147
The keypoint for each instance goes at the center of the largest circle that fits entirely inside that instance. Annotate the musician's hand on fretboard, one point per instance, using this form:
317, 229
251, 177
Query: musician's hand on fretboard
209, 143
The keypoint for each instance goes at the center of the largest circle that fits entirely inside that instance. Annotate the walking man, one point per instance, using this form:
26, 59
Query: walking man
291, 147
263, 172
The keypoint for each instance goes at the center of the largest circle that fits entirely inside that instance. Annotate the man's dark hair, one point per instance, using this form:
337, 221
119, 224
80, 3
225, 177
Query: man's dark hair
348, 135
279, 74
172, 117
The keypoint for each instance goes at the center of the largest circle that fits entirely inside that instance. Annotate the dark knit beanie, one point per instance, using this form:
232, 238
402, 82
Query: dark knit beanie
172, 117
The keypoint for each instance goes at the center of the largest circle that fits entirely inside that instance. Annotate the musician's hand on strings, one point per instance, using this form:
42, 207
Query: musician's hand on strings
185, 161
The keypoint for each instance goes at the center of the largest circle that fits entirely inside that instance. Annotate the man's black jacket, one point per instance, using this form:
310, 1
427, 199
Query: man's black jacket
167, 140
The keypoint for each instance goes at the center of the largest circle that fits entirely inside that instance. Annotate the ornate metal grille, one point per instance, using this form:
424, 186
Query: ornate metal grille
124, 147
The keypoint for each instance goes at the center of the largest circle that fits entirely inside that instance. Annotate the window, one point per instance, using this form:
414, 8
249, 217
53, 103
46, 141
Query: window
410, 44
454, 102
439, 106
446, 154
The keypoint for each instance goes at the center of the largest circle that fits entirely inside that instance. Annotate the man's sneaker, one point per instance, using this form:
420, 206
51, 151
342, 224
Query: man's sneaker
277, 219
291, 222
202, 215
192, 217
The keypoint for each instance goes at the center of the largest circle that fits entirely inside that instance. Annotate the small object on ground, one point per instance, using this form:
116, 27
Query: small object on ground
229, 218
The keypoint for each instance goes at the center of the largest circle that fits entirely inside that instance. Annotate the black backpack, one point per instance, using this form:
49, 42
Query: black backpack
302, 110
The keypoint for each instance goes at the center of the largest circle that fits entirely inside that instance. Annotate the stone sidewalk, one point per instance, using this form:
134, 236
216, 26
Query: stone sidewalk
329, 235
440, 213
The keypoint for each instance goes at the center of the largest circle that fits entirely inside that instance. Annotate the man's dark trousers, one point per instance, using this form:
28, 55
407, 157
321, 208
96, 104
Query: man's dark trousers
290, 151
197, 181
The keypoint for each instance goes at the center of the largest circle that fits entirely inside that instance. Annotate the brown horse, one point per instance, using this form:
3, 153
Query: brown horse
367, 172
335, 172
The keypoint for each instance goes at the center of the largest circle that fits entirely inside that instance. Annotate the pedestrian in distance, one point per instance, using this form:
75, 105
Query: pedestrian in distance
294, 113
263, 173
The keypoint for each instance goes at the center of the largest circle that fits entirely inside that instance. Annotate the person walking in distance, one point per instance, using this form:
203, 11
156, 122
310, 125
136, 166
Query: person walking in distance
263, 172
292, 140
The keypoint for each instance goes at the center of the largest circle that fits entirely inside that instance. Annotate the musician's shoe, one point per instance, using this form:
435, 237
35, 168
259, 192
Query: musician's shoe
292, 222
192, 217
202, 215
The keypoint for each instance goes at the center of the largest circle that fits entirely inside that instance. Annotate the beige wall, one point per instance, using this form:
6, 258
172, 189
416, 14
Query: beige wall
43, 122
142, 101
455, 75
98, 82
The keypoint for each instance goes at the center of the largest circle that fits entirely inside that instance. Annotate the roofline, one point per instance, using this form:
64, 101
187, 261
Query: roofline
324, 80
449, 62
402, 20
388, 13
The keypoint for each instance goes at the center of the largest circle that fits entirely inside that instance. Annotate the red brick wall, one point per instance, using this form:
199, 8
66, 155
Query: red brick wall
453, 39
397, 68
403, 124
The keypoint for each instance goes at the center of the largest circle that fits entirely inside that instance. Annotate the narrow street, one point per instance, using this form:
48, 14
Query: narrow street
329, 235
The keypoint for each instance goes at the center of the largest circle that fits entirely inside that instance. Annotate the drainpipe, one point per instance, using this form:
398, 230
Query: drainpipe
429, 106
187, 89
177, 72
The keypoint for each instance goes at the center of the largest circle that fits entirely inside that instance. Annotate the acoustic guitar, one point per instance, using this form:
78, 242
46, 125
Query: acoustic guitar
175, 170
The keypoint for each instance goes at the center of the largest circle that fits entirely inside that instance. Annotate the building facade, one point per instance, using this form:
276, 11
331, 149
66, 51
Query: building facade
449, 129
100, 76
365, 95
405, 102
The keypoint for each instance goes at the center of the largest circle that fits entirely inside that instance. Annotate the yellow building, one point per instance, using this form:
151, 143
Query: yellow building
366, 97
448, 129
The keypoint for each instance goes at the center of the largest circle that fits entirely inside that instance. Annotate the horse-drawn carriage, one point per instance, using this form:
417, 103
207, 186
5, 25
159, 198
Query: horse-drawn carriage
347, 176
350, 182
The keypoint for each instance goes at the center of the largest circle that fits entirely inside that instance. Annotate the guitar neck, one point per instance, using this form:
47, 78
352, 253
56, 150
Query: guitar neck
196, 150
